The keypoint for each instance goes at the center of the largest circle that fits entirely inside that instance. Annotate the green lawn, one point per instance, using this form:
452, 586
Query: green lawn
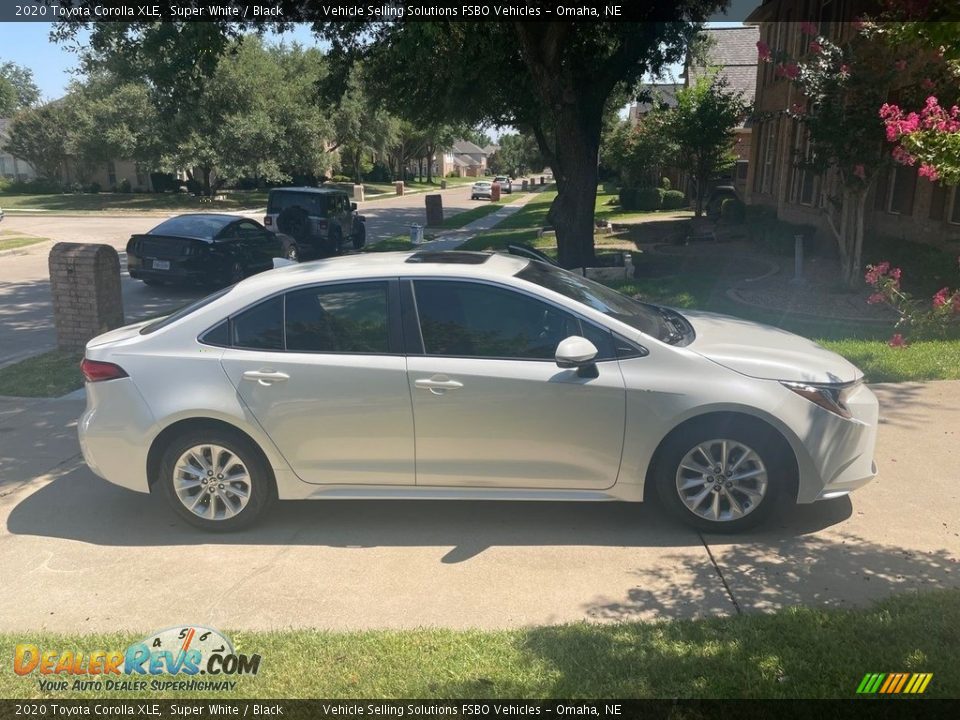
794, 653
468, 216
10, 240
51, 374
131, 202
521, 227
607, 207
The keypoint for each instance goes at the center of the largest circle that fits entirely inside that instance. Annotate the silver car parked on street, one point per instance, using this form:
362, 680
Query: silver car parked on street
458, 375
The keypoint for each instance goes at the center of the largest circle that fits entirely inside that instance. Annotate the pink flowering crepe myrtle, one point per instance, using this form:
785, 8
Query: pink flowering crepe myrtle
925, 320
930, 137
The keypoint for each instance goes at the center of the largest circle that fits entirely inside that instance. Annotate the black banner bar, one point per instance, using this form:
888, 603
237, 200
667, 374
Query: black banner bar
273, 11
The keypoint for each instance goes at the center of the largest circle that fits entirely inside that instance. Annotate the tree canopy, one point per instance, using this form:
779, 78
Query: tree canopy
17, 88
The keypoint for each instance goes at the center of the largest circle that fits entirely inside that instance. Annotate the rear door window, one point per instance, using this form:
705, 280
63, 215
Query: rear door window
260, 327
347, 318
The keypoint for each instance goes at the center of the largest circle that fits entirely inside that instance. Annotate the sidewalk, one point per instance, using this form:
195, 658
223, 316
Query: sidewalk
452, 239
382, 564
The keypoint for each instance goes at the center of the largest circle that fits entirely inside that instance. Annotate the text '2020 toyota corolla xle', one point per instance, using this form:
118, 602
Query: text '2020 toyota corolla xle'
471, 376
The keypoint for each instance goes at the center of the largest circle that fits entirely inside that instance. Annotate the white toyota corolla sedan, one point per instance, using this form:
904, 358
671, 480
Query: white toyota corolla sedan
459, 375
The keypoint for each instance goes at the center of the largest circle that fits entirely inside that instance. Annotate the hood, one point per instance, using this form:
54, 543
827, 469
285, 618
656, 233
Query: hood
766, 352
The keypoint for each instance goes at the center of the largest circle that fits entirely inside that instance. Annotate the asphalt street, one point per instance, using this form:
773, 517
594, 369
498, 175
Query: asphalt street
26, 322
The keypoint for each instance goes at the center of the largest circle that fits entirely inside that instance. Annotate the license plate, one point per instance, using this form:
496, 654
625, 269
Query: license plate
160, 265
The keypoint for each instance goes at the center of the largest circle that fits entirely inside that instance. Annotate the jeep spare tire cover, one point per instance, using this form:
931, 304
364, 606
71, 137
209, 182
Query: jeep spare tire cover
294, 221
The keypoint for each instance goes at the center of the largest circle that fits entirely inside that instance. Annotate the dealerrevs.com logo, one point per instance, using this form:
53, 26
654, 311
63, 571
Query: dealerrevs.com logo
182, 652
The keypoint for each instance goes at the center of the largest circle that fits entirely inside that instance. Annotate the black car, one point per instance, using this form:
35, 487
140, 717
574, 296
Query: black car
205, 248
319, 219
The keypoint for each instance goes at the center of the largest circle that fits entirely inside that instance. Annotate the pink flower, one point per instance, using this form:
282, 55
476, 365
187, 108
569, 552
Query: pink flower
940, 299
896, 273
844, 70
876, 298
900, 155
763, 51
929, 172
900, 65
792, 71
927, 84
875, 272
809, 28
897, 341
815, 47
860, 172
796, 109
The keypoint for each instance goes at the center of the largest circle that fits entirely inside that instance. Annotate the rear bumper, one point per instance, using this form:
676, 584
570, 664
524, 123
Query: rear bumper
112, 431
180, 271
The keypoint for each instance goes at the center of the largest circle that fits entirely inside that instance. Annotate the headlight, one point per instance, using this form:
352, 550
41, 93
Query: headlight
831, 398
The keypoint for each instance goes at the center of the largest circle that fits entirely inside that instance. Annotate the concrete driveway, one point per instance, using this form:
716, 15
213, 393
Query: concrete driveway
78, 552
26, 322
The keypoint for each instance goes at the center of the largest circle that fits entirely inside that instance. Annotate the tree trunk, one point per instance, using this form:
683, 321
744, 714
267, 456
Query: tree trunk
571, 214
430, 151
206, 180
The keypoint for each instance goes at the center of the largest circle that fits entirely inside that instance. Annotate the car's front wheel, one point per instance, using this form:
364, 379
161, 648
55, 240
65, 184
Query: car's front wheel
722, 477
216, 480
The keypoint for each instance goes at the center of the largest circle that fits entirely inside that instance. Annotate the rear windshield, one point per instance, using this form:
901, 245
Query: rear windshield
184, 311
313, 203
194, 226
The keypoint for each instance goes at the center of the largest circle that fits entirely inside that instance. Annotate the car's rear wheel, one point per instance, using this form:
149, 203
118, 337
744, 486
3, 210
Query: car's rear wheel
722, 478
236, 273
215, 480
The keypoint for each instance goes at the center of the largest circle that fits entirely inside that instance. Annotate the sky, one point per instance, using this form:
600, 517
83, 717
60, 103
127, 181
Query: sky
28, 44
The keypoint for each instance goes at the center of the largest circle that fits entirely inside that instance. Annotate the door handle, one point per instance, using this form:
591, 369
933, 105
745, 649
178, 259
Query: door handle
265, 377
437, 387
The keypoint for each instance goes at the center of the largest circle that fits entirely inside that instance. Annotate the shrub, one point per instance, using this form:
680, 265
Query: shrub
626, 196
93, 187
124, 186
5, 184
649, 198
665, 183
733, 211
674, 200
37, 186
341, 179
777, 236
164, 182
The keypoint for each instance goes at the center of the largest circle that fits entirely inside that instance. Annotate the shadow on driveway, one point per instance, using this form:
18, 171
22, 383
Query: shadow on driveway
79, 506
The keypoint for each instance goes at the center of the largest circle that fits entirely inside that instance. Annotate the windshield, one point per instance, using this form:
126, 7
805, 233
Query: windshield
195, 226
641, 316
313, 203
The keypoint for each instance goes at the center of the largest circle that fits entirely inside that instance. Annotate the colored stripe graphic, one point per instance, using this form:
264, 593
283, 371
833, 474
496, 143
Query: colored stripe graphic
894, 683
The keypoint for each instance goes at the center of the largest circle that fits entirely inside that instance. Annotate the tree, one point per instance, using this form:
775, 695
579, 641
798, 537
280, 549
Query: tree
518, 155
638, 153
39, 136
17, 89
701, 128
361, 127
553, 77
844, 86
436, 136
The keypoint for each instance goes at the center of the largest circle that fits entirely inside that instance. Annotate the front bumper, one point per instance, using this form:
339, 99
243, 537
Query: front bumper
838, 453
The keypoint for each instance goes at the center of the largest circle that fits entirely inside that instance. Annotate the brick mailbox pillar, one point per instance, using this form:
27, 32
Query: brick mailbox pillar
85, 284
525, 185
434, 204
358, 193
398, 187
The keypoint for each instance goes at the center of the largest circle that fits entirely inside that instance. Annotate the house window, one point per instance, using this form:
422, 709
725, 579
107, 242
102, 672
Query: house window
955, 213
769, 157
112, 174
938, 202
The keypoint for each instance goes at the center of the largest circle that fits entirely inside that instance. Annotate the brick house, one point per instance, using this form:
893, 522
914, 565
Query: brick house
900, 205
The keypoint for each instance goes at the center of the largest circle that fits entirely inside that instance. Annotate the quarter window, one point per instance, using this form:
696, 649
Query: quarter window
260, 327
464, 319
349, 318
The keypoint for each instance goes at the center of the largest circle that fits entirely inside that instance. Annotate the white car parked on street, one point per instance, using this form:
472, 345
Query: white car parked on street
457, 375
481, 189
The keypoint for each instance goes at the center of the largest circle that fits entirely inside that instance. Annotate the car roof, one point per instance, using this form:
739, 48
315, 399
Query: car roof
305, 189
364, 266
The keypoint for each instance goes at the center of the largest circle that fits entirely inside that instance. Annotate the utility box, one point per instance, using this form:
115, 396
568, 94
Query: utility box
398, 186
525, 185
495, 191
443, 184
85, 285
358, 192
434, 205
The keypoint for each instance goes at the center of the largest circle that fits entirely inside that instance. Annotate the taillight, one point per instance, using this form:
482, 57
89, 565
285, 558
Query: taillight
96, 371
268, 221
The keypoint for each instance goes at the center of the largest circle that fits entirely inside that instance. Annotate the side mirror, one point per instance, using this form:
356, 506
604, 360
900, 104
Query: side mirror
575, 352
353, 206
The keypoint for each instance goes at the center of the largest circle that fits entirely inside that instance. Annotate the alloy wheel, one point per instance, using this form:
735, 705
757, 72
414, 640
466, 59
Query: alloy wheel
721, 480
212, 482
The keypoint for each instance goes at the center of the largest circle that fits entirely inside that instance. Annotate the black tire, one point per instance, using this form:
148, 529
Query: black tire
262, 486
334, 240
360, 236
152, 282
768, 448
473, 197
